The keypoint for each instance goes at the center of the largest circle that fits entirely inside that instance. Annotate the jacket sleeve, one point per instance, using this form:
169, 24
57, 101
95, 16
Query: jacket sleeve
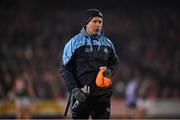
114, 64
113, 61
67, 68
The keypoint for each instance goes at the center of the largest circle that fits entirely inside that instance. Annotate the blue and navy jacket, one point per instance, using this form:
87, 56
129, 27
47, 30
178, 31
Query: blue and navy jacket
83, 56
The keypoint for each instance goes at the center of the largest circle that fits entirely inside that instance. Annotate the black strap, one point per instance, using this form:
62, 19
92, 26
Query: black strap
67, 106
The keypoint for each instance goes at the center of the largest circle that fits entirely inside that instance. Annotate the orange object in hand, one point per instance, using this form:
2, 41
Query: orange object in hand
101, 80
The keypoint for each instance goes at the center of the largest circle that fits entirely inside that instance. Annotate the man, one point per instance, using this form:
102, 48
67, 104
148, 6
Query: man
23, 92
84, 56
131, 90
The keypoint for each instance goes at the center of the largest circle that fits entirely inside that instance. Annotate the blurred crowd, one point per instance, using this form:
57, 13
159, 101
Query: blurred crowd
32, 37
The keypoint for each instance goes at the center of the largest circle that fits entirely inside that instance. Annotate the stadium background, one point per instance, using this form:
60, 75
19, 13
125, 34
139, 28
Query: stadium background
146, 35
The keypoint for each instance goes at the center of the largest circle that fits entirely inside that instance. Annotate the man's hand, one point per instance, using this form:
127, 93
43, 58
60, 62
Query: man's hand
103, 77
79, 95
107, 73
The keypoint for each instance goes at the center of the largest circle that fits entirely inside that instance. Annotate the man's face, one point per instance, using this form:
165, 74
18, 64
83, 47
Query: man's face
94, 26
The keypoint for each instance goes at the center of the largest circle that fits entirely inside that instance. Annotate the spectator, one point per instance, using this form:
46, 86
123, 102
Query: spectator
132, 91
23, 92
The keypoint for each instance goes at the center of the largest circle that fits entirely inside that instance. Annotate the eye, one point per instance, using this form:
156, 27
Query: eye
100, 22
97, 21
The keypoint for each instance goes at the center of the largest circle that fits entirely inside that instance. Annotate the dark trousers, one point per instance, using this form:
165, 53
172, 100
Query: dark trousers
98, 107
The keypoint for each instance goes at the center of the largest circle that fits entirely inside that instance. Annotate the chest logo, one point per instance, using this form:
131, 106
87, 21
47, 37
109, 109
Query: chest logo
106, 50
87, 49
